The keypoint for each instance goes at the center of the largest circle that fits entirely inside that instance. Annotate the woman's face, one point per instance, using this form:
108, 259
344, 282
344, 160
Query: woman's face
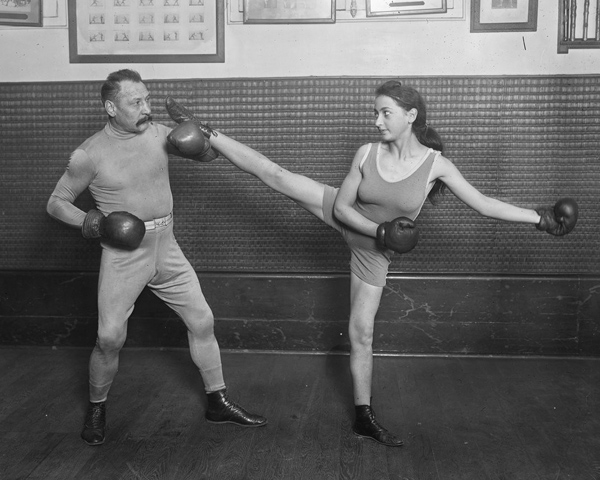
392, 120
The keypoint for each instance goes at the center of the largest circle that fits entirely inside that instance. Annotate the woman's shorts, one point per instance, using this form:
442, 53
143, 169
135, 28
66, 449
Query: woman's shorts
367, 262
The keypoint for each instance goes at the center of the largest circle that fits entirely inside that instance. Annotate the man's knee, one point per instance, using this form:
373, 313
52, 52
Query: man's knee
202, 324
111, 340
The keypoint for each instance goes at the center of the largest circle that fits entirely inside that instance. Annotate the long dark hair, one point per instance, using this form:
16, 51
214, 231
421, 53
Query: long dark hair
409, 98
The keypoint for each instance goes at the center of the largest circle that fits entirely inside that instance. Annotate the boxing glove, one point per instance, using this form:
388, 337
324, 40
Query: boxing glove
180, 114
400, 235
189, 140
560, 219
121, 229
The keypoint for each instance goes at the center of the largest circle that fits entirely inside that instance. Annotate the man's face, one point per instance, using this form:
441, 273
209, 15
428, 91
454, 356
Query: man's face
130, 111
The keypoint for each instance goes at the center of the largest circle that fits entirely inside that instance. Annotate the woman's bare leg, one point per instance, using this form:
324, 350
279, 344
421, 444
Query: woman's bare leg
364, 303
304, 191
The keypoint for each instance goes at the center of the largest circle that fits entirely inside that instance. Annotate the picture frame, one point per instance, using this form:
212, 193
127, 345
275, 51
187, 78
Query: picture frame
22, 13
378, 8
289, 11
146, 31
55, 13
504, 16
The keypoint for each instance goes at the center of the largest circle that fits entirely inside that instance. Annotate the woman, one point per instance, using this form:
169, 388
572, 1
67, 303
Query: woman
388, 180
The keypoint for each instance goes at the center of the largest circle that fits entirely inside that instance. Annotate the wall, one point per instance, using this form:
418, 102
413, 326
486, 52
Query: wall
512, 142
503, 289
275, 276
385, 48
426, 315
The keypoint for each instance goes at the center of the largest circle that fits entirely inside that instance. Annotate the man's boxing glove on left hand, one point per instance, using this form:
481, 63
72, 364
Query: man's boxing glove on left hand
189, 140
560, 219
121, 229
400, 235
180, 114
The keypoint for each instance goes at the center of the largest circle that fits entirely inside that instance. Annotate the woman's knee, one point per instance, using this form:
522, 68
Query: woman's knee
360, 334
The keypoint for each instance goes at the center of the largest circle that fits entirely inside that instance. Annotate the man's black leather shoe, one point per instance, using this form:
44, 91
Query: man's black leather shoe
223, 410
95, 424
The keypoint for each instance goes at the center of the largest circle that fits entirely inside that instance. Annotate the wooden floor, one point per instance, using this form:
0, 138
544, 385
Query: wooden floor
461, 418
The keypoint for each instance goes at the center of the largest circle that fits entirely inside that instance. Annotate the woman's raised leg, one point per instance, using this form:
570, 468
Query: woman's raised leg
305, 191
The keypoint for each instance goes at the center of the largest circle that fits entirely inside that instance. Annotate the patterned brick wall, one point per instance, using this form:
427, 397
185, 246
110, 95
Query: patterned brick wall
525, 140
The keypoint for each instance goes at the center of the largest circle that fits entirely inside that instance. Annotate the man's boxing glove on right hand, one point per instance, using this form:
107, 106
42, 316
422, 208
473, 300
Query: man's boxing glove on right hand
400, 235
560, 219
121, 229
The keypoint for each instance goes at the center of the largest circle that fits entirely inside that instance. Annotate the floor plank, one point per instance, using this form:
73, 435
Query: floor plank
479, 418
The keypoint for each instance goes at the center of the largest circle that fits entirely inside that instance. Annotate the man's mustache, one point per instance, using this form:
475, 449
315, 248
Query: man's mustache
144, 120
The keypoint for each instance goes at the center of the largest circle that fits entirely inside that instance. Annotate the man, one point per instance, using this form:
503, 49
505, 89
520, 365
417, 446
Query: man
125, 168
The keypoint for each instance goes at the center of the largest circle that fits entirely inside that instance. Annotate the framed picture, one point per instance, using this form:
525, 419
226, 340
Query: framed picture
504, 15
376, 8
289, 11
146, 31
55, 13
21, 13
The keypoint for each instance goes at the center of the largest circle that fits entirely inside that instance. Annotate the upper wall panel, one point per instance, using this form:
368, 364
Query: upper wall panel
524, 140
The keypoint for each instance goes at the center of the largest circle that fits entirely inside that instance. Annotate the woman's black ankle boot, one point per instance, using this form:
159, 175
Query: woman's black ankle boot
367, 426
